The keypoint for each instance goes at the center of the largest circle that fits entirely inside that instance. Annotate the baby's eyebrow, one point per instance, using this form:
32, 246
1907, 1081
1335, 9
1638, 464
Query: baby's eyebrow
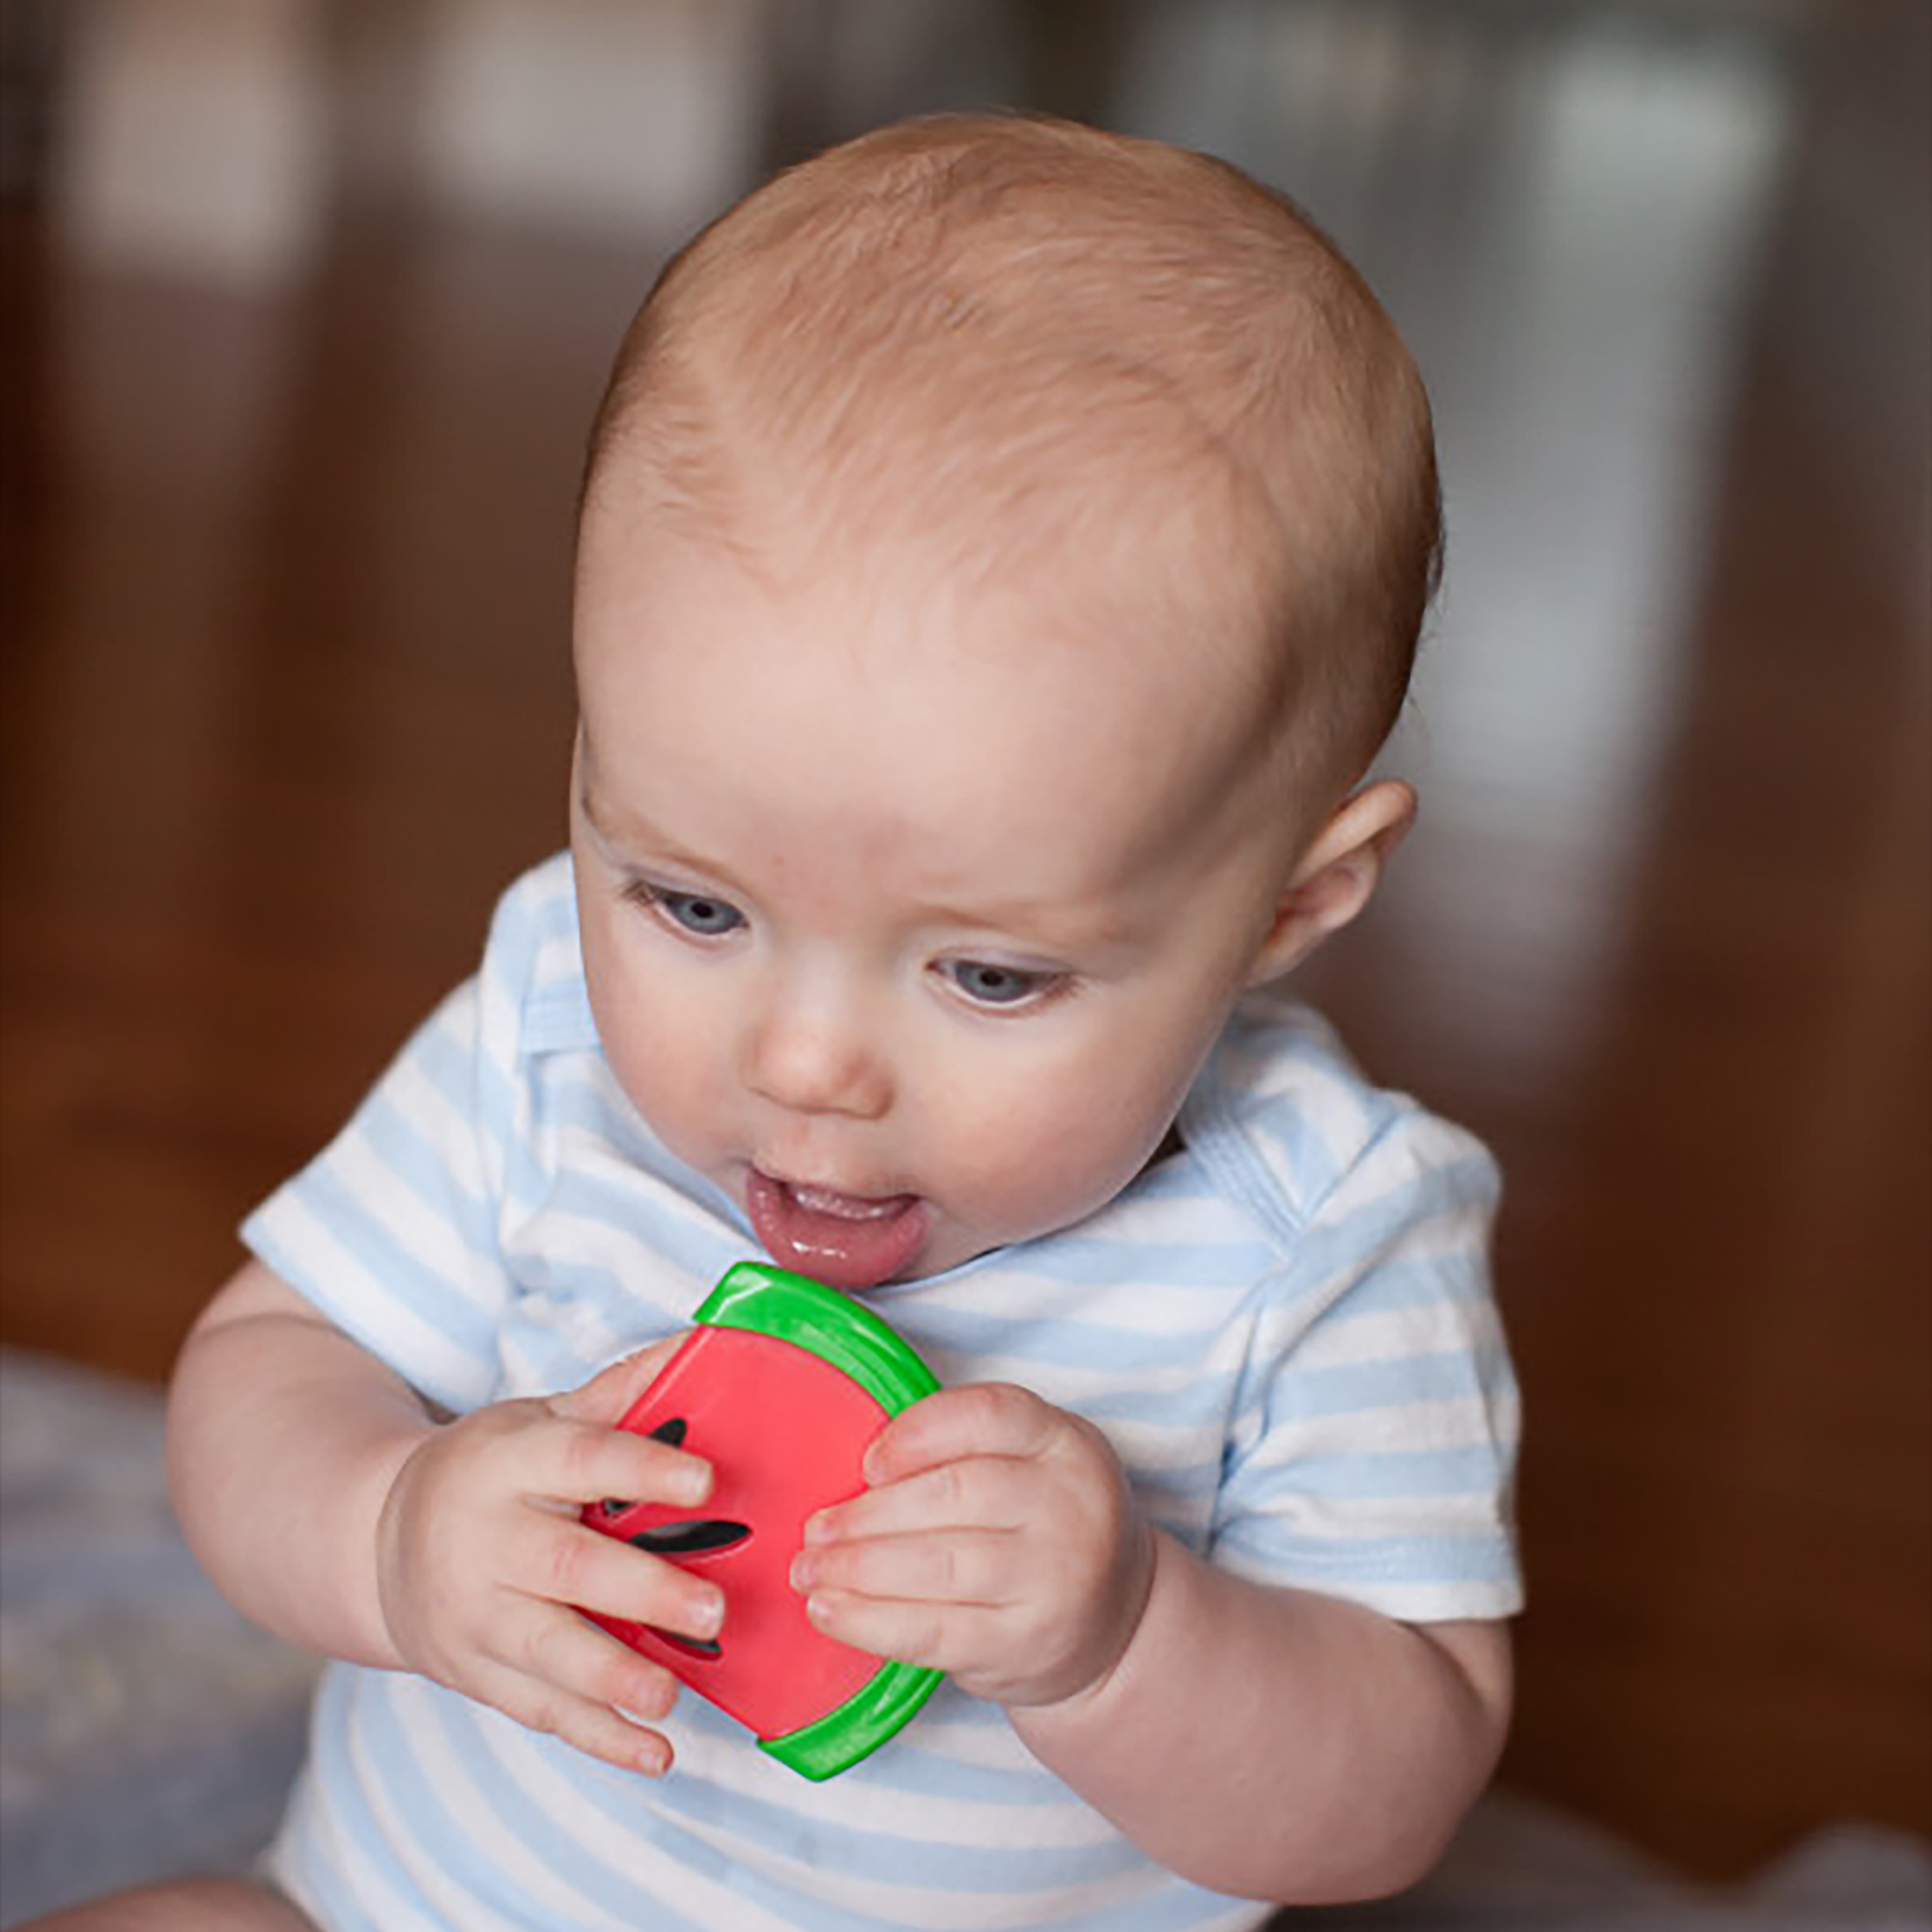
1047, 927
596, 818
627, 847
587, 806
602, 833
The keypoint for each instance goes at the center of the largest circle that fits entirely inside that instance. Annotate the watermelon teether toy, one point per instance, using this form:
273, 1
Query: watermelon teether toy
781, 1386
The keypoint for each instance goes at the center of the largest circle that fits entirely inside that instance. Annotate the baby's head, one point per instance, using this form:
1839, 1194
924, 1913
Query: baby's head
1116, 379
1003, 550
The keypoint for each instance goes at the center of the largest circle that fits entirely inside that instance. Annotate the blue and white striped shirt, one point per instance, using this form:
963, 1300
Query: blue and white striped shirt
1285, 1330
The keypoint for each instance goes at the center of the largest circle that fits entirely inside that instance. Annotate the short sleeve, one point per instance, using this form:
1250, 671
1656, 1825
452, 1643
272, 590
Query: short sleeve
391, 1232
1374, 1444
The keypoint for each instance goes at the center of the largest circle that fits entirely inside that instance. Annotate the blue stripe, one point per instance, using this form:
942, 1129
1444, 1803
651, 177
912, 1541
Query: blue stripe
691, 1241
540, 907
457, 1386
576, 1092
1203, 1402
420, 1167
558, 1020
449, 1062
1354, 1241
1424, 1561
1093, 1258
1413, 1284
1399, 1472
427, 1292
1048, 1337
1355, 1388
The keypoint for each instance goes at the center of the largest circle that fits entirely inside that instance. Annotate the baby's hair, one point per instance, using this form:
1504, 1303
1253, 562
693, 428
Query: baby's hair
1061, 358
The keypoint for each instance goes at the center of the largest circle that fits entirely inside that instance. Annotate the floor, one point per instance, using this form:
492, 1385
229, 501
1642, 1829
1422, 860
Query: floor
285, 703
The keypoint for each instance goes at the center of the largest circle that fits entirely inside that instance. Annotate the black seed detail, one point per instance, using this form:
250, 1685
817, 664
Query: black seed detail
689, 1538
703, 1647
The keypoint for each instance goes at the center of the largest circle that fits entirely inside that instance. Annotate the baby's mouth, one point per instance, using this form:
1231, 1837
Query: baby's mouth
846, 1241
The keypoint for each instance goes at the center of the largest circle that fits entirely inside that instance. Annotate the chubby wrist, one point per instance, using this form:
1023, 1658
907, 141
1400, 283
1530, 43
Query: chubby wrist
1091, 1705
1097, 1659
373, 1529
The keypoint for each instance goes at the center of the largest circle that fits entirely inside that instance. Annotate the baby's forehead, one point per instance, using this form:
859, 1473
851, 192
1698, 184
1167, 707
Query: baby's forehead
1113, 569
956, 715
1144, 572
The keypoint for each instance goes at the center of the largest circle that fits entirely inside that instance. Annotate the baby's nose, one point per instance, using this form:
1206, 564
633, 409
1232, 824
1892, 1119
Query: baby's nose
812, 1057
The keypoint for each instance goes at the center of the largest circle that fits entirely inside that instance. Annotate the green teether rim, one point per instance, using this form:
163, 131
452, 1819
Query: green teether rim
884, 1705
770, 1301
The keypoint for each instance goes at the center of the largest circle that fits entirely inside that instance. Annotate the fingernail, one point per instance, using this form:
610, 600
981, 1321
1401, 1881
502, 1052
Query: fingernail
691, 1482
802, 1572
707, 1614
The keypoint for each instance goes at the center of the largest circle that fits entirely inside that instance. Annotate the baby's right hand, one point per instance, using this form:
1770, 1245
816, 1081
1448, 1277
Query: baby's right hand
481, 1561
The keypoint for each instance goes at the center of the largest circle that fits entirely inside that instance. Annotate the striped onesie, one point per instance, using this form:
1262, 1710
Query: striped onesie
1285, 1330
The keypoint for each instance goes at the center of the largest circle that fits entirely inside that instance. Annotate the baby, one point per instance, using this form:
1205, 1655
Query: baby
1002, 556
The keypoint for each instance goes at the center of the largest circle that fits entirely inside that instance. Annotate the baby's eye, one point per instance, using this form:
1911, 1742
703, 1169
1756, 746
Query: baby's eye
695, 913
989, 985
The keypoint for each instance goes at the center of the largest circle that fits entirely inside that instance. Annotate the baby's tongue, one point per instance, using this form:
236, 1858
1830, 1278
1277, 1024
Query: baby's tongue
844, 1242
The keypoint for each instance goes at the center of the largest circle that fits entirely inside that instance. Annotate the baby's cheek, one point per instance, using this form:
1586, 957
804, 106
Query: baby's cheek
668, 1074
1048, 1161
667, 1087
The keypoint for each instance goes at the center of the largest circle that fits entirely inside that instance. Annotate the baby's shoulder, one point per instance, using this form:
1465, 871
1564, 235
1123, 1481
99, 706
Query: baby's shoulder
1298, 1129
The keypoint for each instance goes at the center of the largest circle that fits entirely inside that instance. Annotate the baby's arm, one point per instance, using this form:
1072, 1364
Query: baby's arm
1261, 1741
331, 1504
1280, 1744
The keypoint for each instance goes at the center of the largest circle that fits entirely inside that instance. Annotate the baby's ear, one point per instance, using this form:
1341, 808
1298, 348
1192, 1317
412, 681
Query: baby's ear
1337, 875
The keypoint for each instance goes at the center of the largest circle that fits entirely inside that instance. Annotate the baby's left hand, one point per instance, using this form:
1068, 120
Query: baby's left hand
999, 1543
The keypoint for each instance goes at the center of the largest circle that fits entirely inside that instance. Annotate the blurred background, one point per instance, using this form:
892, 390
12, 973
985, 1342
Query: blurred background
307, 304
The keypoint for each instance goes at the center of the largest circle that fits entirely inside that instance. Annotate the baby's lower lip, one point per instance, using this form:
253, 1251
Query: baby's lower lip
845, 1240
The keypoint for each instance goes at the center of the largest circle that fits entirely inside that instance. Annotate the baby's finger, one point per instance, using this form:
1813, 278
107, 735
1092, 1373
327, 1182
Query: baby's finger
975, 1419
606, 1395
597, 1728
979, 1492
573, 1461
939, 1636
566, 1563
969, 1567
551, 1664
